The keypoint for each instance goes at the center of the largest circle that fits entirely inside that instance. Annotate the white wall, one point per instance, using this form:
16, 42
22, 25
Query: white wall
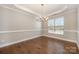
16, 26
78, 27
69, 26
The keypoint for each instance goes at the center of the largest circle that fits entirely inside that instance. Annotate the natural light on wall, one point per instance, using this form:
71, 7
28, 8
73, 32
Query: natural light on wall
56, 25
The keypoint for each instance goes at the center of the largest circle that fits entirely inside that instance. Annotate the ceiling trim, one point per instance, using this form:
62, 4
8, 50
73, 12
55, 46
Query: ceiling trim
4, 6
59, 11
35, 14
26, 9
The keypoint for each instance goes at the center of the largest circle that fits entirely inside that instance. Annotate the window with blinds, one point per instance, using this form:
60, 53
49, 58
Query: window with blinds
56, 25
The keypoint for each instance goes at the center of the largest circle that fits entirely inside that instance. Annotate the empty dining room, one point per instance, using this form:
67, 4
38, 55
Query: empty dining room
39, 28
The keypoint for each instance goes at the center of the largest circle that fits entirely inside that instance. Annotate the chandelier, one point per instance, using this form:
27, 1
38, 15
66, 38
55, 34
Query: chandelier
44, 18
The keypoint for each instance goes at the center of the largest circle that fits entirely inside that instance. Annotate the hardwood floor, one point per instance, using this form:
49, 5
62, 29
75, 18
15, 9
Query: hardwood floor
41, 45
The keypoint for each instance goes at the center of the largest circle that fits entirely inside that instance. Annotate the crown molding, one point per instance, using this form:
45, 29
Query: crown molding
59, 11
26, 9
4, 6
32, 12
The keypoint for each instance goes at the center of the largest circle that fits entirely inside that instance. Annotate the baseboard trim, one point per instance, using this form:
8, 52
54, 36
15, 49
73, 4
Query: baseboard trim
11, 43
78, 45
58, 38
61, 39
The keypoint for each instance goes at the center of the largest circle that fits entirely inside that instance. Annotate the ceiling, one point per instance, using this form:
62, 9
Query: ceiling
38, 10
44, 10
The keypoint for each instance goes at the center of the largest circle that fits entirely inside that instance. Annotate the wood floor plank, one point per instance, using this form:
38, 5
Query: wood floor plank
41, 45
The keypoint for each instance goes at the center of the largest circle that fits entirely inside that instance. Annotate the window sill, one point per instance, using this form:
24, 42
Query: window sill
57, 33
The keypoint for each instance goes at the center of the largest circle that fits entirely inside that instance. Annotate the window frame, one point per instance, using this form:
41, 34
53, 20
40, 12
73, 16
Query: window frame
54, 30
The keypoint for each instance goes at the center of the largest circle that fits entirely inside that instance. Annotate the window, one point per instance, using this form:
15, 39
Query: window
56, 25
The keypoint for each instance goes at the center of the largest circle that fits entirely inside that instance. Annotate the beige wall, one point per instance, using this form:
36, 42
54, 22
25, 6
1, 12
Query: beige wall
16, 26
78, 26
69, 26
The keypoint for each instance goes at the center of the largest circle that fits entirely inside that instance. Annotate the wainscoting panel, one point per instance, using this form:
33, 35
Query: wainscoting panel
11, 37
